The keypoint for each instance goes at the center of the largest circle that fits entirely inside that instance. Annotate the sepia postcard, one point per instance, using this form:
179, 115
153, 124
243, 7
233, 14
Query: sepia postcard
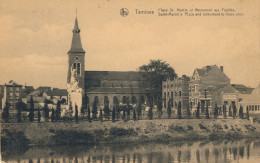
154, 81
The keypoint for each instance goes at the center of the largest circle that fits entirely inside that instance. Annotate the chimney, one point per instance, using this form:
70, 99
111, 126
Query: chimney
221, 68
207, 68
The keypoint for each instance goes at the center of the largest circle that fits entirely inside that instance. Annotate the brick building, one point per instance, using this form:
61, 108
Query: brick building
12, 95
209, 86
176, 92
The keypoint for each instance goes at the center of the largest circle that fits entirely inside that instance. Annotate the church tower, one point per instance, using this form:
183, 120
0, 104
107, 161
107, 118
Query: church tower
76, 58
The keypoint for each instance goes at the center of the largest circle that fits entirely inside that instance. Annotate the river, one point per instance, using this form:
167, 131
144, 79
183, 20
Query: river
238, 151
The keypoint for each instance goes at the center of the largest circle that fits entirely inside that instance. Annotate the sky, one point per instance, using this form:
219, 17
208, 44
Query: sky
36, 36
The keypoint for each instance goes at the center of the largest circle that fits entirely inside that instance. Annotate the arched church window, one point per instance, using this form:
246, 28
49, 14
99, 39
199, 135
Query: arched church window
74, 65
78, 69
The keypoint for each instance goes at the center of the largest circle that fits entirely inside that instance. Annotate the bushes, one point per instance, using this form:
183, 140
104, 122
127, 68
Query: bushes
114, 131
177, 128
218, 127
63, 137
13, 140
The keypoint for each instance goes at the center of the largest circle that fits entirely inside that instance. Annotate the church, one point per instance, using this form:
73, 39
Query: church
104, 87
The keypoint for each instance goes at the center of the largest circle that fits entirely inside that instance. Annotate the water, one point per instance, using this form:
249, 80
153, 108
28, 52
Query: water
242, 151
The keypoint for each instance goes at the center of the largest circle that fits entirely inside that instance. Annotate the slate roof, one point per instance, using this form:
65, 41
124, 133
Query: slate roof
242, 88
116, 90
115, 75
76, 46
57, 92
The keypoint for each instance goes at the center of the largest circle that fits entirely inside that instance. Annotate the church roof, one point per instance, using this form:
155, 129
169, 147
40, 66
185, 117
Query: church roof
76, 46
115, 75
116, 90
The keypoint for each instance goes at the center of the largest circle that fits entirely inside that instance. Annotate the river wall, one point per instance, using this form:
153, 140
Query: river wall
141, 131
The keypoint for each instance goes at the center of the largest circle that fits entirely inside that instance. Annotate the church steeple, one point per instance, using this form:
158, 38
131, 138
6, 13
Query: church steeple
76, 58
76, 46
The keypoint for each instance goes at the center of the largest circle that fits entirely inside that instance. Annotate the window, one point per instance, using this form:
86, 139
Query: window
78, 69
164, 86
171, 85
164, 95
172, 94
77, 58
180, 93
168, 94
74, 65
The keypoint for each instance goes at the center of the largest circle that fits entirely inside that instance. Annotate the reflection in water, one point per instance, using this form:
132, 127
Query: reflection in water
207, 155
199, 152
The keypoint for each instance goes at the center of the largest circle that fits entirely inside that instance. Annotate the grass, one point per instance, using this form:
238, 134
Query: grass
118, 132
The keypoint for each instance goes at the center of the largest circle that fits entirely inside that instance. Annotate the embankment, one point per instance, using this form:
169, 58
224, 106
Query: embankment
142, 131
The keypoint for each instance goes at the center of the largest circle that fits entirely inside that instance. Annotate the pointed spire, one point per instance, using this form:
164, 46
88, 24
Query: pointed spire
76, 46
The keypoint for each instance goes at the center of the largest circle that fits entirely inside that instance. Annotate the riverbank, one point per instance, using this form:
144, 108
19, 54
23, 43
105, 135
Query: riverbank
142, 131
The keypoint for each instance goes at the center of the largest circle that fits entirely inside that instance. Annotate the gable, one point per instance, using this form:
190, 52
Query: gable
215, 76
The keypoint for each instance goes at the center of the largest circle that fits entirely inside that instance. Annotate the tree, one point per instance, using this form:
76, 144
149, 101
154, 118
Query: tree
188, 112
169, 110
63, 101
159, 108
179, 111
128, 107
19, 112
139, 110
100, 115
114, 114
230, 111
124, 118
155, 72
247, 113
83, 107
150, 112
52, 115
46, 111
198, 111
241, 114
82, 111
5, 113
234, 110
39, 116
207, 110
117, 112
134, 114
225, 111
106, 112
31, 114
76, 114
94, 110
216, 111
89, 119
58, 111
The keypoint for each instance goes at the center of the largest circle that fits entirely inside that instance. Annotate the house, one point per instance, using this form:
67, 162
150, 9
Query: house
208, 86
56, 94
251, 101
43, 89
12, 94
176, 92
27, 89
